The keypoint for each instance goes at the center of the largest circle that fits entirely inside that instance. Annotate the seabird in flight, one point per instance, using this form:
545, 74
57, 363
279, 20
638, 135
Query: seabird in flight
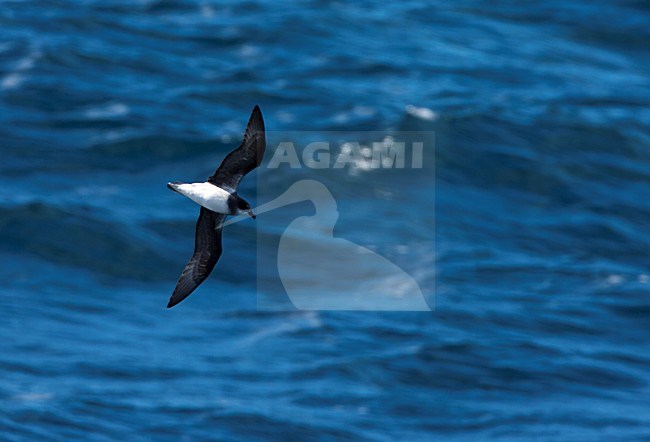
218, 198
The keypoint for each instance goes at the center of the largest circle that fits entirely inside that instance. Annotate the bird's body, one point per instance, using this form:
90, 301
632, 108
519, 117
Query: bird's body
218, 198
205, 194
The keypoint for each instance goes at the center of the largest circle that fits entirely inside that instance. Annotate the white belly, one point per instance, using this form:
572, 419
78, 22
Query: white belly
206, 194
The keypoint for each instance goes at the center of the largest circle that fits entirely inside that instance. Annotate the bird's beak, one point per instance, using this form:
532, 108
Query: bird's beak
251, 214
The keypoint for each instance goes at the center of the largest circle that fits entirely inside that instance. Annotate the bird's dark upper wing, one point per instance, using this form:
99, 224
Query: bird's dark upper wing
207, 250
245, 158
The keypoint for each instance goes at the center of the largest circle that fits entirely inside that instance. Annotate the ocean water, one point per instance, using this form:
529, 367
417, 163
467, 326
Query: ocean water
528, 232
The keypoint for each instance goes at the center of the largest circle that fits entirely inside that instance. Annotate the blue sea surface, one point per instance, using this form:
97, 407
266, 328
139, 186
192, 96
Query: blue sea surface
529, 232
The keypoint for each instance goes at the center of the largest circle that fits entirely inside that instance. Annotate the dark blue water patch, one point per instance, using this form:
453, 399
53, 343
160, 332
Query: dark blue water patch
80, 238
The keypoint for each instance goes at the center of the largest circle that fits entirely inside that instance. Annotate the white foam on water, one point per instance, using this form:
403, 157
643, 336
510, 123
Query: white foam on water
12, 81
422, 113
111, 110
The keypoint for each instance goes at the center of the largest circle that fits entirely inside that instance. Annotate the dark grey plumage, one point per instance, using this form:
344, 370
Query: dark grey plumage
207, 242
207, 251
245, 158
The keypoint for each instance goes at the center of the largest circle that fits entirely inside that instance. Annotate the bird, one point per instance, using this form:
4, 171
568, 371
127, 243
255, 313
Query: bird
218, 198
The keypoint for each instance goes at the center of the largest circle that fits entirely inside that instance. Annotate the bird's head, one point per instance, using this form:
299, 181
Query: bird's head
244, 208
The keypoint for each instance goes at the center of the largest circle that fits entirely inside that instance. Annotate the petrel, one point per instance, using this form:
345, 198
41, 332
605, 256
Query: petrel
218, 198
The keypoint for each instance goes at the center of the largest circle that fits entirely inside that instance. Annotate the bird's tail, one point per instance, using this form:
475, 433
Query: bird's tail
174, 186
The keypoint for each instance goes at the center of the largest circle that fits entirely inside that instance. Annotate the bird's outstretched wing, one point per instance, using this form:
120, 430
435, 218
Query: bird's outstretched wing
207, 250
245, 158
